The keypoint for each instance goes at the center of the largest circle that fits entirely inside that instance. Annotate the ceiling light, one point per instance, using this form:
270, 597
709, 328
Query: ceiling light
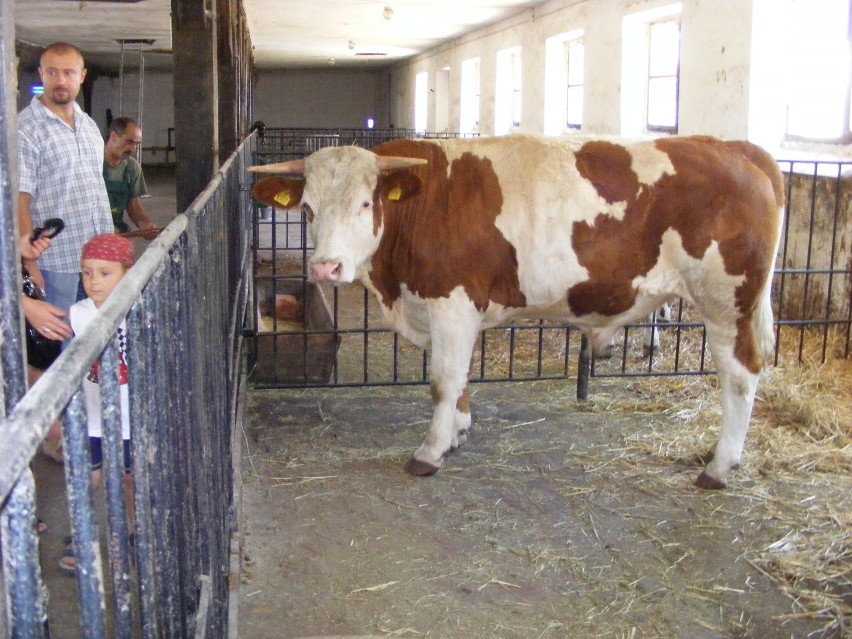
351, 44
387, 14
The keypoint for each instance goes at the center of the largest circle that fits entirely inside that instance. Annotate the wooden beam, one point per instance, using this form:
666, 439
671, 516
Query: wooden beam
196, 94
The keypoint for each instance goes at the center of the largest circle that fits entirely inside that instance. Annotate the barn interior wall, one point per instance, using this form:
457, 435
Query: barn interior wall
321, 99
158, 114
716, 71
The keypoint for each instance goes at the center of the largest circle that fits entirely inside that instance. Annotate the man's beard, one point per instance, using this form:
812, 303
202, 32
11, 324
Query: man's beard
61, 96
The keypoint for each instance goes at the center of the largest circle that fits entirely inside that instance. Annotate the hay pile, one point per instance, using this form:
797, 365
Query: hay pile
800, 439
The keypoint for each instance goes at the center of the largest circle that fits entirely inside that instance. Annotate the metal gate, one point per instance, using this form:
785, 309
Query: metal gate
340, 339
183, 302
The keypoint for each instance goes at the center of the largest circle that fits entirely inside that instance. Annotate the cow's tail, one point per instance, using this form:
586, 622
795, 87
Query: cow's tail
764, 325
762, 320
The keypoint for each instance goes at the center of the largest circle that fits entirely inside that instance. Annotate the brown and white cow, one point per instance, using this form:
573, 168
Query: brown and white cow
453, 236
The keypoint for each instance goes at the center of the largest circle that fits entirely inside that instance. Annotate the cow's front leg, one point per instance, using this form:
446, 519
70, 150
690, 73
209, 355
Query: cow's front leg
454, 326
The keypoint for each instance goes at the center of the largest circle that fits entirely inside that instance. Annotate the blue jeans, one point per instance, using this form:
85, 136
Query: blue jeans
62, 290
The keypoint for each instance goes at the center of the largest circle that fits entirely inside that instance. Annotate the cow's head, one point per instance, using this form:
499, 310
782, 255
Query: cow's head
343, 192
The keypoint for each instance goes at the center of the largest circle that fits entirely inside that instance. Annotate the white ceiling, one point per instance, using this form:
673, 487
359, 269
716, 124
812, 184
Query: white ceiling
284, 33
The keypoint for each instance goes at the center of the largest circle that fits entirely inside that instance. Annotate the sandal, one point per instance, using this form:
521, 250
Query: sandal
53, 450
68, 561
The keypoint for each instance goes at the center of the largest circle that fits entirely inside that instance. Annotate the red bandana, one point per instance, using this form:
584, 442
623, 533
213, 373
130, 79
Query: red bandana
110, 248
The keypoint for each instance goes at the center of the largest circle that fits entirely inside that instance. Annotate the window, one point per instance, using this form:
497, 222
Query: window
421, 101
507, 107
574, 69
650, 70
515, 61
818, 107
563, 82
663, 75
469, 112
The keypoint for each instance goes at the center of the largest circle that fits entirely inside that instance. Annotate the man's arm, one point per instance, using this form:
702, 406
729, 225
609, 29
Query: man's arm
138, 216
25, 228
25, 220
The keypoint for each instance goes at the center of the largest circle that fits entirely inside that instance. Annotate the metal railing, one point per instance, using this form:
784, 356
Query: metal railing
183, 302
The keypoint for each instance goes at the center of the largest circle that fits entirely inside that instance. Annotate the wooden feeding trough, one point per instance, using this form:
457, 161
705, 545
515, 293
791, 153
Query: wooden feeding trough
295, 343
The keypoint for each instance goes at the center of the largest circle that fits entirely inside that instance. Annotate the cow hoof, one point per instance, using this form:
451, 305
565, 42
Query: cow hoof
420, 468
461, 438
709, 483
605, 353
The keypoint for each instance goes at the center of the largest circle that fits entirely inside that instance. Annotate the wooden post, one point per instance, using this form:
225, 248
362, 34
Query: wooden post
195, 96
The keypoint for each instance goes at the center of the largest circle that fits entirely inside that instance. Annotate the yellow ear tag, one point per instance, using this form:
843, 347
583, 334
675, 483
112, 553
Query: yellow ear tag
283, 199
396, 194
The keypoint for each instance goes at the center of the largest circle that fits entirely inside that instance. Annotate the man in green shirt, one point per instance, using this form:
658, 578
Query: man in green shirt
123, 175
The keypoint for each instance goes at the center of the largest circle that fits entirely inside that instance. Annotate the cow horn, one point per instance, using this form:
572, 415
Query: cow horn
390, 163
293, 167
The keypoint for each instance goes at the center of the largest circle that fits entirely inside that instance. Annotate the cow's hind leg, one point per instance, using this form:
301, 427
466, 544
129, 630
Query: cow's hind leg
454, 331
738, 385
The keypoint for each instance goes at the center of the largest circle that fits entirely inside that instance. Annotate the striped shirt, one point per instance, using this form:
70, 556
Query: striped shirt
62, 170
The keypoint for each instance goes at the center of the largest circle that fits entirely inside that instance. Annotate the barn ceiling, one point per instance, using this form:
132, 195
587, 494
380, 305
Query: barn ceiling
284, 33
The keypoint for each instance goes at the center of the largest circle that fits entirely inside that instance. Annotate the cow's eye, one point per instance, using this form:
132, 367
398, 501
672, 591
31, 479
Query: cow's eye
366, 205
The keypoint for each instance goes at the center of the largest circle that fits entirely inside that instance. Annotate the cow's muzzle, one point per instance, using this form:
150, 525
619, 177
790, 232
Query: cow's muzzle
326, 271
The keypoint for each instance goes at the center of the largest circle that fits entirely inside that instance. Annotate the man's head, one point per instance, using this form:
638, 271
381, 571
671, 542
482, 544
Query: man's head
106, 259
125, 136
62, 72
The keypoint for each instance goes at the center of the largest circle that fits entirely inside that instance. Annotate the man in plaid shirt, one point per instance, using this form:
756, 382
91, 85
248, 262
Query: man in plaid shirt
60, 159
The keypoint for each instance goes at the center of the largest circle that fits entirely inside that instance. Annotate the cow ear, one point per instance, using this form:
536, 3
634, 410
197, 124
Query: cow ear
281, 192
399, 186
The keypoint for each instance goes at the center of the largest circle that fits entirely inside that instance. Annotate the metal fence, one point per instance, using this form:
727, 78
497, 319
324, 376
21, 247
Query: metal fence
183, 302
341, 340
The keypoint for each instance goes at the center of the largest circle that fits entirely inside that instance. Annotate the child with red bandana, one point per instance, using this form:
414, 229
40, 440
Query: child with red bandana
106, 259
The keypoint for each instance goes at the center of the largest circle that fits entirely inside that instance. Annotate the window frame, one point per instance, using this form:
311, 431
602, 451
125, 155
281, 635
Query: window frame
663, 128
471, 90
573, 43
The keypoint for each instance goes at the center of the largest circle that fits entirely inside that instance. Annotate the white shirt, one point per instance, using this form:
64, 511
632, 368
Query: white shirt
81, 314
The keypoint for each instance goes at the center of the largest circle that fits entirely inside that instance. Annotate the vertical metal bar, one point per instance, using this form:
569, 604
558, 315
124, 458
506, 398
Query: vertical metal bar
25, 604
808, 259
81, 506
163, 477
540, 347
366, 362
830, 286
482, 336
26, 612
678, 334
114, 478
583, 369
783, 265
511, 351
140, 360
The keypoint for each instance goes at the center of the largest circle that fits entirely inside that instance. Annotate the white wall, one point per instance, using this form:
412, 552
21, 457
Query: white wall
717, 95
715, 67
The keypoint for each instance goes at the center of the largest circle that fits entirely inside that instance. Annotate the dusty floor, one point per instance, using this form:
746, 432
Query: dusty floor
547, 523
